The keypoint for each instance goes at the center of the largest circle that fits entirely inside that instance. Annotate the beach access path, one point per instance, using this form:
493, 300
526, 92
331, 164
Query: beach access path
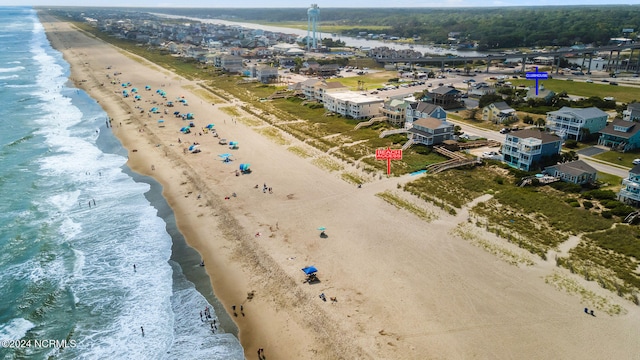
405, 288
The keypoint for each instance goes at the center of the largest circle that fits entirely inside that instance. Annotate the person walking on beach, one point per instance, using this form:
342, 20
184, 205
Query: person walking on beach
142, 329
134, 268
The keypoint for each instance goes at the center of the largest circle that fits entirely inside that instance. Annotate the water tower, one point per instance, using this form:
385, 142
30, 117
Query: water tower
313, 16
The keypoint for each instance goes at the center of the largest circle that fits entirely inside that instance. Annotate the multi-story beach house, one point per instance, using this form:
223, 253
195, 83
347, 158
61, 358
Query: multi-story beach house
423, 110
498, 112
352, 104
577, 172
395, 110
620, 135
632, 113
264, 73
572, 123
525, 148
430, 131
630, 191
445, 96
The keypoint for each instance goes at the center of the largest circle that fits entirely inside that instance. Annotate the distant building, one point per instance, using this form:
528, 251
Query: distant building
498, 112
630, 191
542, 93
431, 131
577, 172
572, 123
265, 74
525, 148
231, 63
481, 89
620, 135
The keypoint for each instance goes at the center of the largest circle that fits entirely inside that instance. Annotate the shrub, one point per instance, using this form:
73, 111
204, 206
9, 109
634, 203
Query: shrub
499, 180
606, 214
587, 204
571, 144
566, 187
622, 210
601, 194
574, 204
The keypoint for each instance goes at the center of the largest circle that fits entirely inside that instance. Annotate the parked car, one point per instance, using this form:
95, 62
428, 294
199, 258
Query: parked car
636, 161
504, 130
613, 83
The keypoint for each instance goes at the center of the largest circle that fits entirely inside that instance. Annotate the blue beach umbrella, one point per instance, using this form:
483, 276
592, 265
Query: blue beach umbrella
310, 270
322, 228
160, 121
210, 126
147, 87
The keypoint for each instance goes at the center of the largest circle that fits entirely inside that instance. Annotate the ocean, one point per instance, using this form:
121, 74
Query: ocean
73, 222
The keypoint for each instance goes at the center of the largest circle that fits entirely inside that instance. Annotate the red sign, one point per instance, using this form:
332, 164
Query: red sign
388, 154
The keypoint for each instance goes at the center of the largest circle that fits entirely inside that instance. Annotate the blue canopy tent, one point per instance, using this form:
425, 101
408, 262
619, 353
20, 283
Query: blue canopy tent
189, 116
192, 147
310, 270
147, 87
125, 93
233, 144
185, 130
169, 103
134, 89
154, 110
210, 126
138, 97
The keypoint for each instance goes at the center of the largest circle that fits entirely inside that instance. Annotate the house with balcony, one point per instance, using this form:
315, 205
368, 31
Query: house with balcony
525, 148
423, 110
445, 96
620, 135
231, 63
630, 191
352, 105
572, 123
577, 172
395, 110
632, 113
430, 131
498, 112
264, 73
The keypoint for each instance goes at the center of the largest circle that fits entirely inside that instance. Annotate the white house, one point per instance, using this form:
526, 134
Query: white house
352, 104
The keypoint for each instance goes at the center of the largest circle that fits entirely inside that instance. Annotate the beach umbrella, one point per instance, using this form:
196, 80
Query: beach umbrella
138, 97
147, 87
134, 89
192, 147
210, 126
224, 155
244, 167
185, 130
322, 228
154, 109
160, 121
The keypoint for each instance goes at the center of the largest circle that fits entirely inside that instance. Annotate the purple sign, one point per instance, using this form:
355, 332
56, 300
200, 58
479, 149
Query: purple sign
536, 75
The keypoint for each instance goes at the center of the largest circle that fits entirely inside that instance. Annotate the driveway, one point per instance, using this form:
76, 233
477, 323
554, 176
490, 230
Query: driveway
591, 151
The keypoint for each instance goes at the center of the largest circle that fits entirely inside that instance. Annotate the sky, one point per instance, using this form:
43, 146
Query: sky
305, 4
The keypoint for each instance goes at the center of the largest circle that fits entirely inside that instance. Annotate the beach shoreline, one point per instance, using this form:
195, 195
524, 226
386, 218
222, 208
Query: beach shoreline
404, 288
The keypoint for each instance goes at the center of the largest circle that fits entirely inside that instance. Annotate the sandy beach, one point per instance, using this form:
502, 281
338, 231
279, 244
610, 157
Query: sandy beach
404, 288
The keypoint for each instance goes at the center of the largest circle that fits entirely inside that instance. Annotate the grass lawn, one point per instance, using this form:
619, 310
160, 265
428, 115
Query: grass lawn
624, 159
614, 182
370, 80
620, 93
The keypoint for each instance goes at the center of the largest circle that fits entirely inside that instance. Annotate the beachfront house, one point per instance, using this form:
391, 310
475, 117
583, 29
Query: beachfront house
498, 112
630, 191
632, 113
231, 63
264, 73
430, 131
395, 111
577, 172
573, 123
620, 135
352, 105
423, 110
525, 148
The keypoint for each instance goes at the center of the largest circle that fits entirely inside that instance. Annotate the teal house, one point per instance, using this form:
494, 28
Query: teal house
620, 135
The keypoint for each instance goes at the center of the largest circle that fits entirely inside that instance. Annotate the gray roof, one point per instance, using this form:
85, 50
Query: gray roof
425, 107
634, 106
635, 169
575, 168
586, 113
431, 123
619, 122
444, 90
503, 106
537, 134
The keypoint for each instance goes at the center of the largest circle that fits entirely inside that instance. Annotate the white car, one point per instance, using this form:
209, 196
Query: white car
636, 162
491, 155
